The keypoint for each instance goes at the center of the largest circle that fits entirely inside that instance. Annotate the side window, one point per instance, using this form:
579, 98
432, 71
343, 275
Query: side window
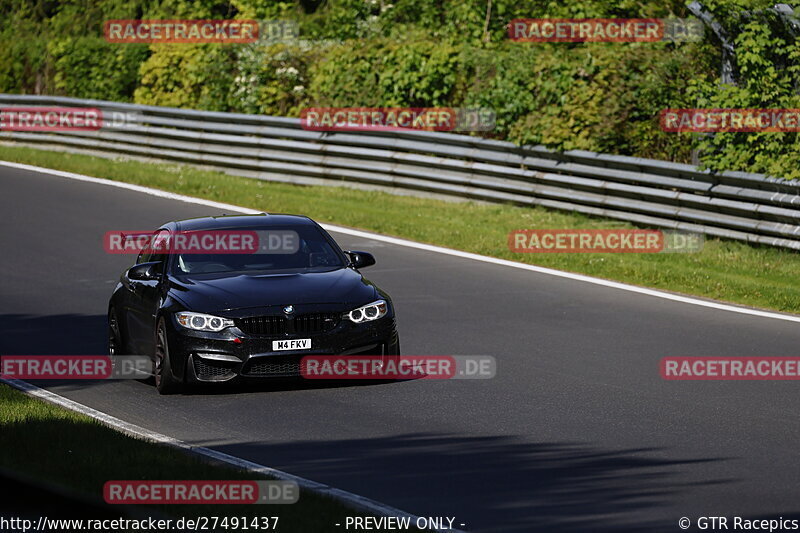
159, 247
145, 255
157, 244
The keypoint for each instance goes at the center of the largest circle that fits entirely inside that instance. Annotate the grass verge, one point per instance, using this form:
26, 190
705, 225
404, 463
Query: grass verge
60, 447
755, 276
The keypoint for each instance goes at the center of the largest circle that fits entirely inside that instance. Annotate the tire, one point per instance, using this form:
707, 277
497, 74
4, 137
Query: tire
162, 368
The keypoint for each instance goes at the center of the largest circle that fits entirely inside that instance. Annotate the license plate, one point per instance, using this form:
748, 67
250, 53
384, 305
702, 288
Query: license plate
291, 344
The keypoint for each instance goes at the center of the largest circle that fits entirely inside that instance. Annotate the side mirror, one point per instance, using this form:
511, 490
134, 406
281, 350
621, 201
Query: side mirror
361, 259
145, 271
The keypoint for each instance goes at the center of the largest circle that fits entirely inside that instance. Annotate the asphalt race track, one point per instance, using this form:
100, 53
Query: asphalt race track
577, 432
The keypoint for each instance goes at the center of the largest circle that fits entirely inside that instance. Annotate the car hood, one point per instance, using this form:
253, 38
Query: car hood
212, 293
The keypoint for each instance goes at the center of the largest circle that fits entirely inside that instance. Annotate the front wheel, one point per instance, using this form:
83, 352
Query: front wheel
162, 373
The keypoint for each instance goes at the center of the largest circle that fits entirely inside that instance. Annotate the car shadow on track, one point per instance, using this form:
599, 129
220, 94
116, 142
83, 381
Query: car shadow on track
498, 483
279, 385
52, 334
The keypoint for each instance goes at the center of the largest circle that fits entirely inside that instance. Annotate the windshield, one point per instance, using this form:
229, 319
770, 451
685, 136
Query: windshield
280, 248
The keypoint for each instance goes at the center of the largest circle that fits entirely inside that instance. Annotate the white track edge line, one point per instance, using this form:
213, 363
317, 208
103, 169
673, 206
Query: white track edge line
359, 503
427, 247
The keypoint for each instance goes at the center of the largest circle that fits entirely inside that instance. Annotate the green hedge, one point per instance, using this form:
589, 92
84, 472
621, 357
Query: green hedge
89, 67
596, 96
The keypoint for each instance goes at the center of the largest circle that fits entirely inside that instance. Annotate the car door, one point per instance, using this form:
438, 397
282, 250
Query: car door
145, 298
129, 304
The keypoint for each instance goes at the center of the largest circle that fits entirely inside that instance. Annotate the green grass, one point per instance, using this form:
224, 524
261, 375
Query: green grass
762, 277
46, 442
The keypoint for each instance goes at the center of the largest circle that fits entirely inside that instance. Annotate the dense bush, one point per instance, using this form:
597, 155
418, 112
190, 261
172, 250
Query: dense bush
385, 72
767, 72
272, 79
595, 96
89, 67
197, 76
23, 64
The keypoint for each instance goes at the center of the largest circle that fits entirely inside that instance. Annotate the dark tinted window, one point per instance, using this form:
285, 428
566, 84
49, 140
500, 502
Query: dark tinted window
309, 250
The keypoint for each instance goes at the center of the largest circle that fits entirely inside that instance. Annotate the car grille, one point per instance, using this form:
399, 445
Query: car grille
211, 371
275, 366
316, 322
262, 325
280, 325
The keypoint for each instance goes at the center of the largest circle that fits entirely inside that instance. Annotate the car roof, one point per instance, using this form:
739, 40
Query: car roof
238, 221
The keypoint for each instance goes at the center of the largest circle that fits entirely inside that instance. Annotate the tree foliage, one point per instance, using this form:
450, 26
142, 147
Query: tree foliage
595, 96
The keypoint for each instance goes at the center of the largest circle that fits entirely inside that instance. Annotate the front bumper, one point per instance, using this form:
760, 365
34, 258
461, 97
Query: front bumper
219, 357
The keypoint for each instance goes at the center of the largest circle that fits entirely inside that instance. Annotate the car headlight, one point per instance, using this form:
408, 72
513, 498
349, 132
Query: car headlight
201, 322
365, 313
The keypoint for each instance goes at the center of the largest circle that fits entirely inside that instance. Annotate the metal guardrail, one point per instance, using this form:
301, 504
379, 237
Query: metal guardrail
733, 205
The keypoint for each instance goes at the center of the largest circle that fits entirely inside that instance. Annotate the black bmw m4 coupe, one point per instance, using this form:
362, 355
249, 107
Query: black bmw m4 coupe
207, 311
